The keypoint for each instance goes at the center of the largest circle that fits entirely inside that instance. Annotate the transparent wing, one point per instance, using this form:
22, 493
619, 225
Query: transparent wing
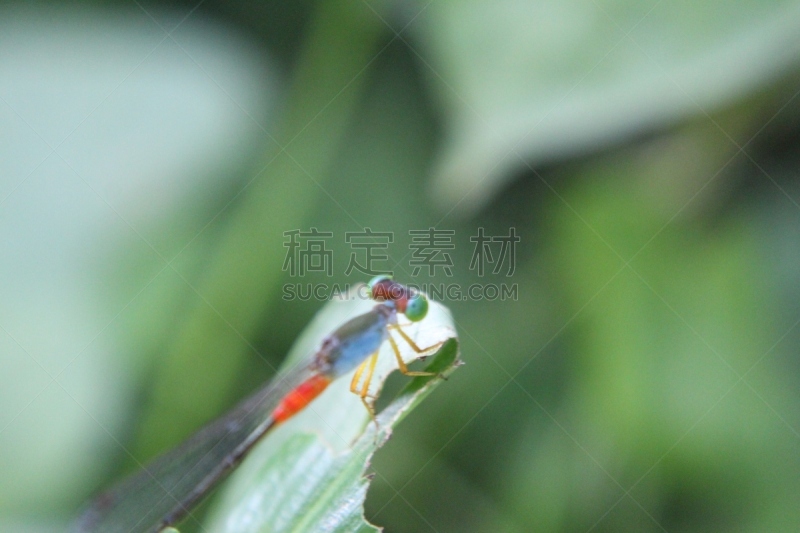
166, 489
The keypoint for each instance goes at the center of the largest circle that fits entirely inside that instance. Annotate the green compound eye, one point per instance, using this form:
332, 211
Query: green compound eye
374, 281
417, 308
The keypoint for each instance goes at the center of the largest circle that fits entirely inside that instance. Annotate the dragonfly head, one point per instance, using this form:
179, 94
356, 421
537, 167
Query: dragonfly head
411, 303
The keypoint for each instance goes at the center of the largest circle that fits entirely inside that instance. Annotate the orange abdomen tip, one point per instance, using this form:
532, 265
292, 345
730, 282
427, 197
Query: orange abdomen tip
301, 396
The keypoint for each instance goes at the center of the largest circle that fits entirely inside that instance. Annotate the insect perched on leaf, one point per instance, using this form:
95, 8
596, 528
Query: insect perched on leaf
169, 487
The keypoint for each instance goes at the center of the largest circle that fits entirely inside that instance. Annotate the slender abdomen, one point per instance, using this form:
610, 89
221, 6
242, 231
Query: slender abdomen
301, 396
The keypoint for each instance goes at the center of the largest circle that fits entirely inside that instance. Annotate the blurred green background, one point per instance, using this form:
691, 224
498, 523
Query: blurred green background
152, 155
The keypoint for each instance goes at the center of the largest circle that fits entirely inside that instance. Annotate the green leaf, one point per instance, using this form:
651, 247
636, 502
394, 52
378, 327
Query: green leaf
539, 81
309, 473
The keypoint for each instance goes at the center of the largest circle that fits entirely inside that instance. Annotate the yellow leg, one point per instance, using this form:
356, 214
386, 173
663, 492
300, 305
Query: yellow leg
371, 370
402, 364
357, 377
413, 344
369, 366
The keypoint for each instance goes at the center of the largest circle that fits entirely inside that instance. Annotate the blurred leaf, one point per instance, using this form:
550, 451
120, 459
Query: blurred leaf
670, 318
104, 126
538, 81
242, 274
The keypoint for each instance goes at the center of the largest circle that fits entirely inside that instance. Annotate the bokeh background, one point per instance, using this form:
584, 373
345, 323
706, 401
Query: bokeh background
152, 155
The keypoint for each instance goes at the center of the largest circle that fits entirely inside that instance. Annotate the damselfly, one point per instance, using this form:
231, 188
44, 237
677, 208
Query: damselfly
166, 489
